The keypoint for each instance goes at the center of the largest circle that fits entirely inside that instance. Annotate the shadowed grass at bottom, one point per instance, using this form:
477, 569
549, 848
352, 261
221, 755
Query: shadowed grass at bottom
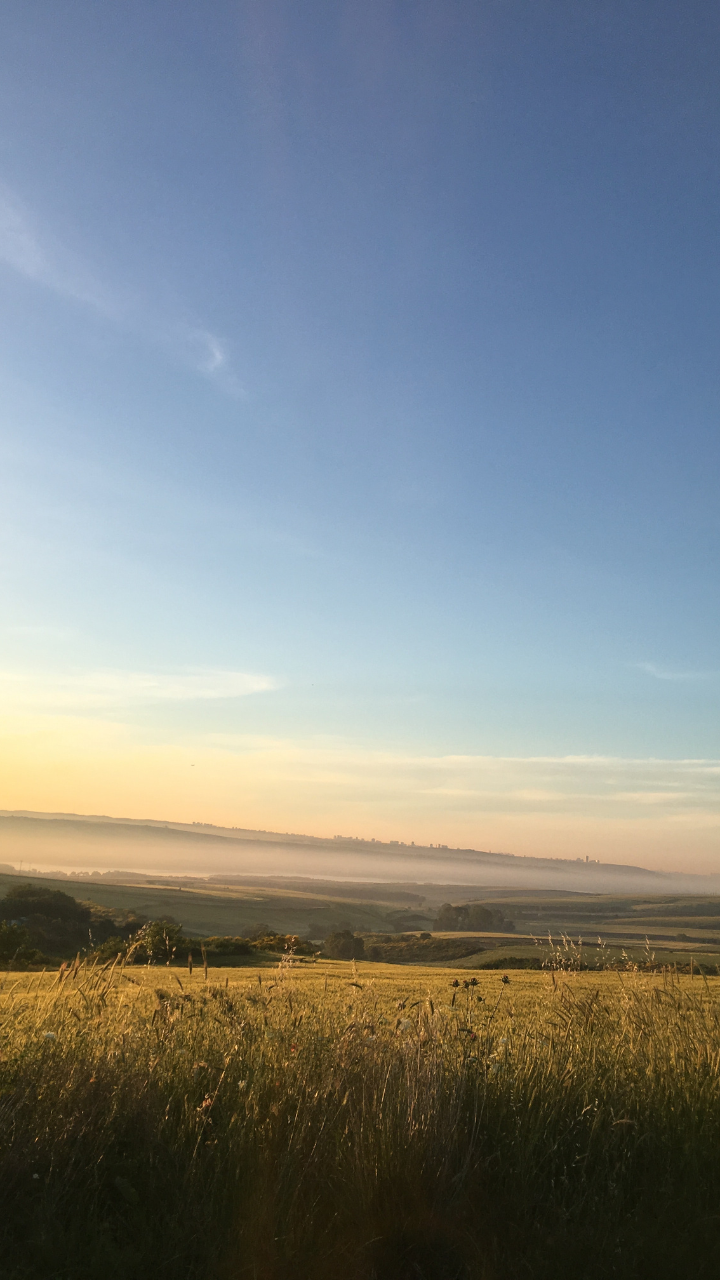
358, 1121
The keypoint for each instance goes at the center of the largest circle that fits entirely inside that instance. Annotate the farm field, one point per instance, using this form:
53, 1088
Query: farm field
673, 929
207, 908
327, 1118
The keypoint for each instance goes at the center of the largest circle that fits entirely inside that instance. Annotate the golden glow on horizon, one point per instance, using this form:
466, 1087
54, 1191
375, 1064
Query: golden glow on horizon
662, 814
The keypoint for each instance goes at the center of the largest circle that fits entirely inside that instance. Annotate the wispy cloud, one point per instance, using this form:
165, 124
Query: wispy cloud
214, 354
80, 691
665, 673
19, 247
38, 631
205, 352
589, 787
34, 253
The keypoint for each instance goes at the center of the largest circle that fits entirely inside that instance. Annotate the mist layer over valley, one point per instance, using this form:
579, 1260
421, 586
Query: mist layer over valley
90, 845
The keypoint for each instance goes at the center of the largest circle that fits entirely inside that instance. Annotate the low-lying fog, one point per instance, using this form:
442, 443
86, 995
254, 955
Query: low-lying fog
75, 844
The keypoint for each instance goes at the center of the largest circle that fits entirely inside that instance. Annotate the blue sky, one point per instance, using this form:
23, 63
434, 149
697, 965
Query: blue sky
359, 370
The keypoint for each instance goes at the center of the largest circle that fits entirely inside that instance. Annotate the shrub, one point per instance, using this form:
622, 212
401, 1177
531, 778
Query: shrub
16, 949
110, 948
227, 946
411, 948
283, 942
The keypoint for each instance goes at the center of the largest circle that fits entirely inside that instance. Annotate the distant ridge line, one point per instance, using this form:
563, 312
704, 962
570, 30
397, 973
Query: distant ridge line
353, 843
181, 848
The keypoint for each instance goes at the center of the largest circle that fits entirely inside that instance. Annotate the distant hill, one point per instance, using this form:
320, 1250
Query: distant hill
83, 844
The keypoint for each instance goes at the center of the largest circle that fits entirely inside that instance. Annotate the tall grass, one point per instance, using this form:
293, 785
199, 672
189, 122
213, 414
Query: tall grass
324, 1123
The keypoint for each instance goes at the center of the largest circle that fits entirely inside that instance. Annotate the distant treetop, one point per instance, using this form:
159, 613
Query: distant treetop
34, 900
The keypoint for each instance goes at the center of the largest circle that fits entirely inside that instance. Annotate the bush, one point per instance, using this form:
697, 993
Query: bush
411, 948
163, 942
227, 947
284, 942
110, 948
15, 948
12, 938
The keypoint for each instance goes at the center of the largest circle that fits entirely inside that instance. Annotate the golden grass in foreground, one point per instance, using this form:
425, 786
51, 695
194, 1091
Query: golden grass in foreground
366, 1122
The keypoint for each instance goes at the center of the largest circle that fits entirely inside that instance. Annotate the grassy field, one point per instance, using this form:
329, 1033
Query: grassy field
325, 1119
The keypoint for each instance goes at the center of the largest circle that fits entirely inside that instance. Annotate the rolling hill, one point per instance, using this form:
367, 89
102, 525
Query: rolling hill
80, 844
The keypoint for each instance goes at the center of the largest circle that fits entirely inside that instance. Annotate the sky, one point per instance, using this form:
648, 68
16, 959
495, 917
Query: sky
359, 395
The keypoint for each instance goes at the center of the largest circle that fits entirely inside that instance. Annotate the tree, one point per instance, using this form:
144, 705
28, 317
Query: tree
344, 945
157, 941
15, 950
471, 915
25, 900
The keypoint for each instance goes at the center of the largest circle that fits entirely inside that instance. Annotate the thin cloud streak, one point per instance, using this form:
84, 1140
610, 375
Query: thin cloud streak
33, 255
19, 248
536, 785
84, 691
664, 673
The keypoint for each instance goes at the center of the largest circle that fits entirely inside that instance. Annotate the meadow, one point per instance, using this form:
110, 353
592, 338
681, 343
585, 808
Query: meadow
325, 1119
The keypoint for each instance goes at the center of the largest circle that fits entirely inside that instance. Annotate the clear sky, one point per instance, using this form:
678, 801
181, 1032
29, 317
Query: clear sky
359, 379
